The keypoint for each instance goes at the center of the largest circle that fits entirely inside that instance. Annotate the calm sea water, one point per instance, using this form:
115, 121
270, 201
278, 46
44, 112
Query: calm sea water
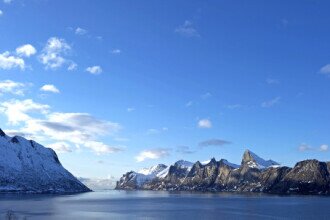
163, 205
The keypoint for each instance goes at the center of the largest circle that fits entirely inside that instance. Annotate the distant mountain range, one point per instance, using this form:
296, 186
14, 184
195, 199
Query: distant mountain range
253, 175
26, 166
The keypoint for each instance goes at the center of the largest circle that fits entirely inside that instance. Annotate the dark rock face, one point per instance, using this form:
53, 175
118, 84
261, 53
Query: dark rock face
254, 175
2, 134
306, 177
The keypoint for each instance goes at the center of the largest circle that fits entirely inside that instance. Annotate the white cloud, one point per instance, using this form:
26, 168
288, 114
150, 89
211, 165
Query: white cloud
206, 95
304, 147
116, 51
17, 111
49, 88
130, 109
60, 147
190, 103
80, 31
94, 70
325, 70
8, 61
52, 53
15, 88
152, 131
187, 30
152, 154
204, 123
1, 13
272, 81
101, 148
234, 106
26, 50
79, 129
7, 1
72, 66
324, 147
270, 103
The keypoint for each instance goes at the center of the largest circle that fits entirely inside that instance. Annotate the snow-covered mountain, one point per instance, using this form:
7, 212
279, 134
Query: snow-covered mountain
26, 166
254, 161
133, 180
253, 175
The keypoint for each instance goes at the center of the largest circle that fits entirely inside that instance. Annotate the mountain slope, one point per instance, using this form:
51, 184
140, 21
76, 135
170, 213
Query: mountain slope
26, 166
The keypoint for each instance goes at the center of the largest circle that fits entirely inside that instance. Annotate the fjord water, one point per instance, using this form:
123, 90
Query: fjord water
163, 205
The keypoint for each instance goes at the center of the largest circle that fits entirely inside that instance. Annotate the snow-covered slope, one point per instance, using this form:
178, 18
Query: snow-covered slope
182, 164
254, 161
26, 166
137, 179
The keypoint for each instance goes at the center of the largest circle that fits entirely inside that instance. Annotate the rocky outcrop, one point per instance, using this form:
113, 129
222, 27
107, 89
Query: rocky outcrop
26, 166
253, 175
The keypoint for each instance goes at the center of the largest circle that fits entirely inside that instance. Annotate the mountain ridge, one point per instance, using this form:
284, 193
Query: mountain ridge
253, 175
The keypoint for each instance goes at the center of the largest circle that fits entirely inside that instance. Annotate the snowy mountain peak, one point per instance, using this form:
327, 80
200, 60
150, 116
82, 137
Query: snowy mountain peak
154, 170
254, 161
183, 164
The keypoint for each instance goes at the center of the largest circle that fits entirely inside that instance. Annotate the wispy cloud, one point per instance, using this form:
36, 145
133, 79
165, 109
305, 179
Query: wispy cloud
270, 103
234, 106
80, 31
204, 123
190, 103
60, 147
7, 1
153, 131
52, 55
152, 154
187, 29
95, 70
206, 95
184, 150
130, 109
49, 88
12, 87
271, 81
1, 12
305, 147
325, 70
8, 61
79, 129
116, 51
213, 142
19, 110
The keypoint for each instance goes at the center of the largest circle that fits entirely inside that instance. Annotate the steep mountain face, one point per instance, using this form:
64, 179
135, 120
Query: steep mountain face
26, 166
252, 160
306, 177
253, 175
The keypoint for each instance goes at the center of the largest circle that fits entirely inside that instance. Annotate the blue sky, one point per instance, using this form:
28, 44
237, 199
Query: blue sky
114, 86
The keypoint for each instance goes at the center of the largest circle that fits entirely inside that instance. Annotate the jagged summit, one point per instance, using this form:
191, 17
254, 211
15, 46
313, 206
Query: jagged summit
26, 166
254, 161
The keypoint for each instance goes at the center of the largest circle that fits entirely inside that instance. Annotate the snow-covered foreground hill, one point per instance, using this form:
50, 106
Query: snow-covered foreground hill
26, 166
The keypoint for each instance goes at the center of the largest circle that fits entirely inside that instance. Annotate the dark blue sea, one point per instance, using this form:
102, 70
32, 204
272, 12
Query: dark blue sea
162, 205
